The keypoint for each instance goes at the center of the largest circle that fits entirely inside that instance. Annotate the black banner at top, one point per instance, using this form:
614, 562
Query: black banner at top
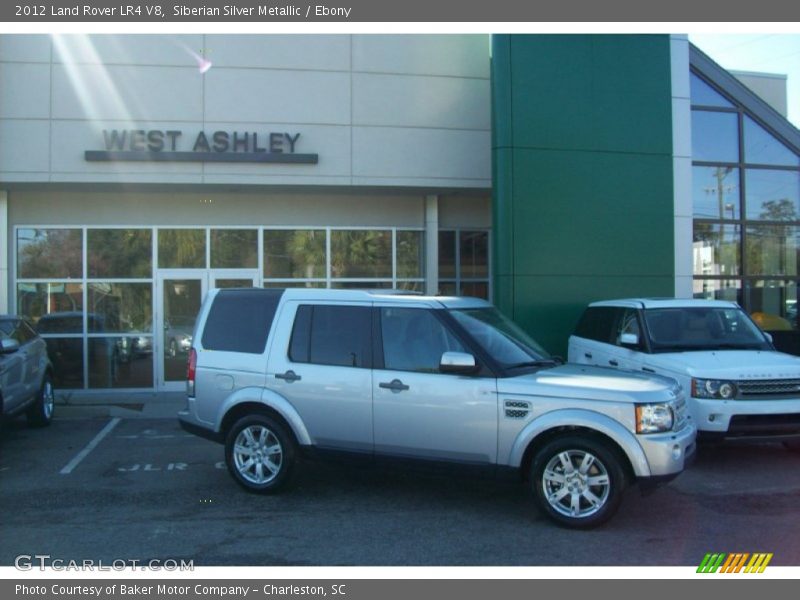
338, 11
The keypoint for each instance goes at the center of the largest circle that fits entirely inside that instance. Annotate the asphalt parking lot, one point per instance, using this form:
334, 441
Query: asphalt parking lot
148, 490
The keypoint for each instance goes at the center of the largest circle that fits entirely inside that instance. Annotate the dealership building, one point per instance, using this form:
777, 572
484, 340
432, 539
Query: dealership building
541, 172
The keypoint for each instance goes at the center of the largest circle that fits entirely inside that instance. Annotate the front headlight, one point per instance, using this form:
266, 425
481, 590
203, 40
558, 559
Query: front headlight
654, 418
715, 389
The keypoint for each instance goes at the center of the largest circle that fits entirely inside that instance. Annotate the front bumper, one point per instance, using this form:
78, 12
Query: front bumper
750, 419
669, 453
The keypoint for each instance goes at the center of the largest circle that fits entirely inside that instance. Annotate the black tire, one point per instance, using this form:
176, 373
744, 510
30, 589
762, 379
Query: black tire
276, 448
556, 497
41, 413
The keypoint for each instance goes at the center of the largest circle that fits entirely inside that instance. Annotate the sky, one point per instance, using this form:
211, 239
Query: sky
763, 52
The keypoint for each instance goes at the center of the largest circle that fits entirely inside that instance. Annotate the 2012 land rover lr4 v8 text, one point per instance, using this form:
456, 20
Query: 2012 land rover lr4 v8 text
273, 373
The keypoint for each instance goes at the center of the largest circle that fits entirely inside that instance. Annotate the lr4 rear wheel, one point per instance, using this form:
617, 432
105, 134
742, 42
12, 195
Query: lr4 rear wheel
260, 454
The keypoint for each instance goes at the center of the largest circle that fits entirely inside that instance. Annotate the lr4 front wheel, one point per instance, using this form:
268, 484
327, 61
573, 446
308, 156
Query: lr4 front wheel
578, 481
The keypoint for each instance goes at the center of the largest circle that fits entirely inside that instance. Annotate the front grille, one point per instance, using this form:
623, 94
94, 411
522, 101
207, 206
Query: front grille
515, 409
764, 425
681, 413
768, 388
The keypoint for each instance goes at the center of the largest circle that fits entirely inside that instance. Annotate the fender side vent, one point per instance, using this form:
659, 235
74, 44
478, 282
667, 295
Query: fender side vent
516, 410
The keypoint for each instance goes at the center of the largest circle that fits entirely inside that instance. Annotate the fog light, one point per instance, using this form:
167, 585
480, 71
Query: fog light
676, 452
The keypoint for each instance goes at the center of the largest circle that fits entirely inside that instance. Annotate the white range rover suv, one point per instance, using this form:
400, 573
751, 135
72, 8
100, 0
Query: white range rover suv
738, 385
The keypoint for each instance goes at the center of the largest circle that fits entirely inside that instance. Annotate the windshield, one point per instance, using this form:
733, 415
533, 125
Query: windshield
501, 338
703, 328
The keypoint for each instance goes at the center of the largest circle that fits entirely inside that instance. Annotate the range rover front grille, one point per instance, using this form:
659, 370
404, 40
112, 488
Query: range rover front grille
768, 388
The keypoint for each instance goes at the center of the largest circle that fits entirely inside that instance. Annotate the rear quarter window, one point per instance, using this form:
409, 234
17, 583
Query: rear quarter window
240, 320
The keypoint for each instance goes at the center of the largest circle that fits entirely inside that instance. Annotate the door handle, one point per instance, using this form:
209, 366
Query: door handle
613, 363
288, 377
395, 385
587, 355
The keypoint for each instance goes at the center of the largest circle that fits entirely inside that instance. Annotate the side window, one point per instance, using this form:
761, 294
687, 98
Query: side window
628, 323
597, 324
414, 340
301, 335
240, 321
332, 335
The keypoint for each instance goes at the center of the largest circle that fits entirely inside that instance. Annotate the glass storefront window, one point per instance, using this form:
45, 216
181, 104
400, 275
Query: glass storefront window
478, 289
716, 249
49, 253
181, 248
113, 364
123, 307
294, 283
66, 355
773, 303
447, 254
715, 193
772, 250
447, 288
772, 195
234, 248
411, 286
715, 136
46, 303
362, 285
119, 253
761, 148
410, 254
101, 327
718, 289
704, 95
464, 263
290, 253
361, 253
474, 254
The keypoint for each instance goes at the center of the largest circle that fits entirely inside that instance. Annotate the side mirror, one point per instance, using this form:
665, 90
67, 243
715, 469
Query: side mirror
8, 346
458, 363
629, 340
769, 337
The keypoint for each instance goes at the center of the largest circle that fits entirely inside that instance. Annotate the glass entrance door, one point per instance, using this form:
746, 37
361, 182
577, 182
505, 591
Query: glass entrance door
180, 295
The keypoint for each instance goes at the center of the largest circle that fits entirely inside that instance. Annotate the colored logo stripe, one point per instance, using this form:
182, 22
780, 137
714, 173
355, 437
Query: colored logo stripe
734, 563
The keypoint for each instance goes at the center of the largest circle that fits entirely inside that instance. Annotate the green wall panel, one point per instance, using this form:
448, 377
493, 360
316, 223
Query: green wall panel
582, 155
591, 92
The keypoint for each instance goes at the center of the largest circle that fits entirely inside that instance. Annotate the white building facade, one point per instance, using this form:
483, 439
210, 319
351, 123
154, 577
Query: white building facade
138, 171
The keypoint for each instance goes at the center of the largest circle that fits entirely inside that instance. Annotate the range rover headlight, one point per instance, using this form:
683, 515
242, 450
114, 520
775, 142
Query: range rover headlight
654, 418
715, 389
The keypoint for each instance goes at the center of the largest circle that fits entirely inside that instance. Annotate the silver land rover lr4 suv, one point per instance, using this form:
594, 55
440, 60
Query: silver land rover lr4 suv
276, 372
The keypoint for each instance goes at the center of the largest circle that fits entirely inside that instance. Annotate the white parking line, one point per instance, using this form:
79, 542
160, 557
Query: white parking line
90, 446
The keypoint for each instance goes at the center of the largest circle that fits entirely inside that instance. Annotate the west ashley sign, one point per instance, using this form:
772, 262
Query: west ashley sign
219, 146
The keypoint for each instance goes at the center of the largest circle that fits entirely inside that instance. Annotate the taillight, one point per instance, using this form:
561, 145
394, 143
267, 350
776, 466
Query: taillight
191, 371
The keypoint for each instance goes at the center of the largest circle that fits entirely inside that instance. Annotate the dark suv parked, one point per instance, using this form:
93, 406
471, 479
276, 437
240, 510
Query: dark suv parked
25, 373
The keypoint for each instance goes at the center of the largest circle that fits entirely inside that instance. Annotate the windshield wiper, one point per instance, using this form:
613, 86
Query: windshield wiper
550, 362
753, 346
